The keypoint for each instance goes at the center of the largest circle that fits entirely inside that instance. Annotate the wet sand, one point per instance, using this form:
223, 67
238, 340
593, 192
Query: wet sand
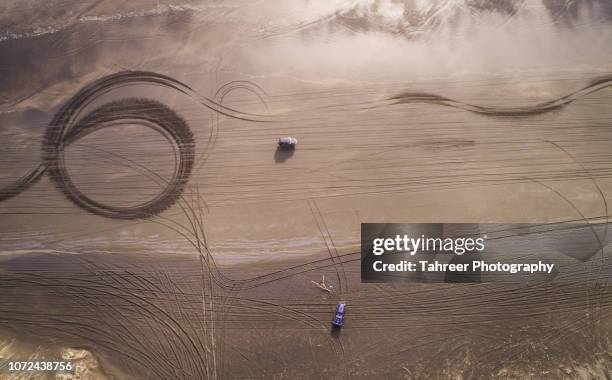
158, 317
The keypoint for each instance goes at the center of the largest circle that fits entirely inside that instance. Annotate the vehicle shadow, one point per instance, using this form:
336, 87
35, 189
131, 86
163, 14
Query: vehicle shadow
335, 331
283, 154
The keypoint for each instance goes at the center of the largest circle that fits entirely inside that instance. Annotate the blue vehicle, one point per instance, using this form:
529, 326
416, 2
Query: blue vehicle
339, 317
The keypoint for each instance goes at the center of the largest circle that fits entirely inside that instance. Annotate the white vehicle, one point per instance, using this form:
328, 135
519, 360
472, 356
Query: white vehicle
287, 142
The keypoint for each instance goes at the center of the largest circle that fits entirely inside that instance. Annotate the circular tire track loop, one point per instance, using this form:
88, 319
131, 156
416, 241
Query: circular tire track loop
65, 128
145, 112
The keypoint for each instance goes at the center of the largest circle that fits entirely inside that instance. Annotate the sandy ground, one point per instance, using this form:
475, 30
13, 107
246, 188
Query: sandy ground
142, 299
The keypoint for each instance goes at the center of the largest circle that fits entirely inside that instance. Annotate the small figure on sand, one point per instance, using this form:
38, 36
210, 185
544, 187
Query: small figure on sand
323, 285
